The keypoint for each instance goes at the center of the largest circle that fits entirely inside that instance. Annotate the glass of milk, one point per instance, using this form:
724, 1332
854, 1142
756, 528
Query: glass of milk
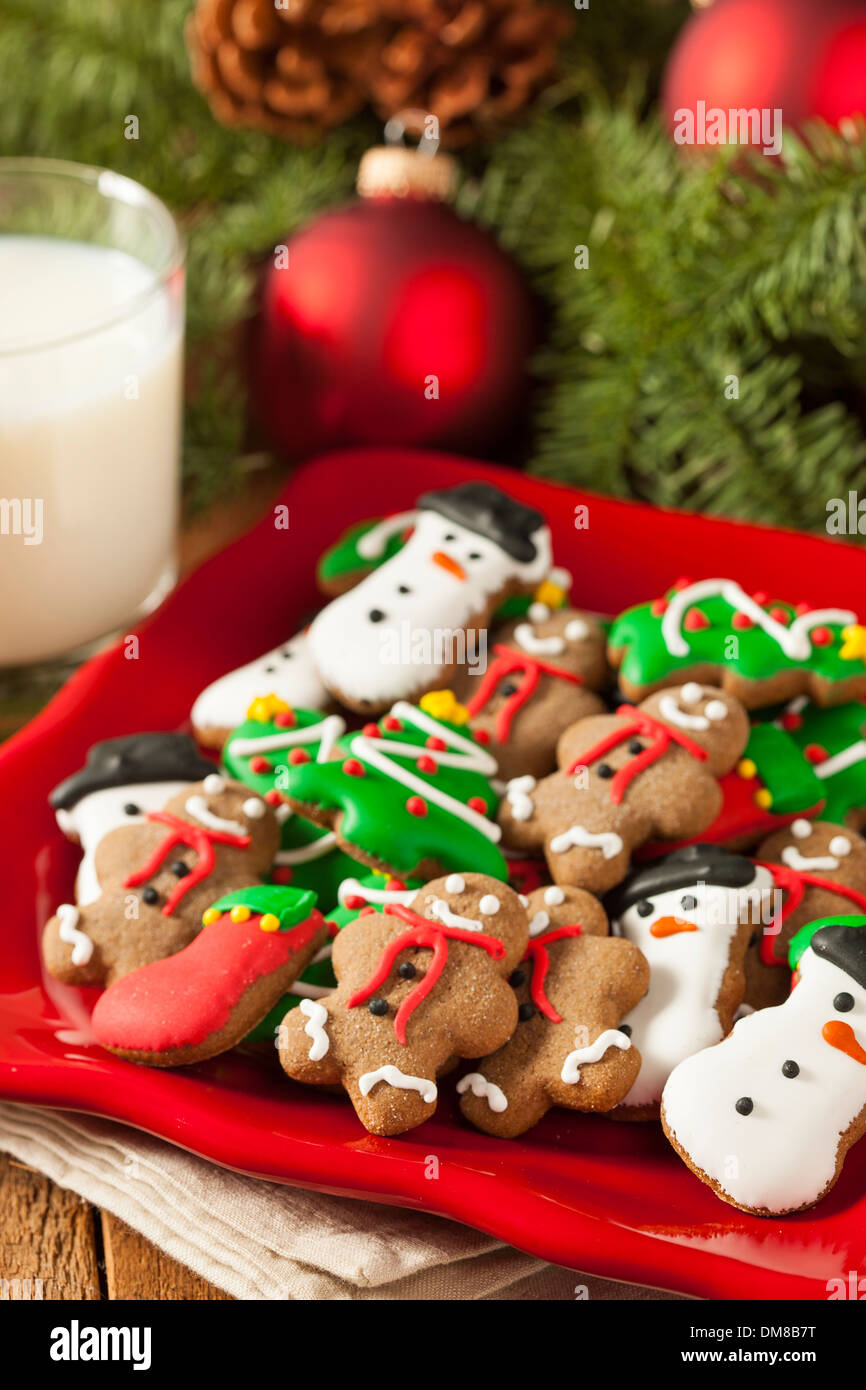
91, 352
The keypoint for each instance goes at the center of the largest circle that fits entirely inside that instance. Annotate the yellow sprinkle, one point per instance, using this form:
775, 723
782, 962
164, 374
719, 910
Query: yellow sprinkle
269, 922
240, 913
854, 643
550, 594
212, 915
443, 704
764, 799
747, 768
264, 707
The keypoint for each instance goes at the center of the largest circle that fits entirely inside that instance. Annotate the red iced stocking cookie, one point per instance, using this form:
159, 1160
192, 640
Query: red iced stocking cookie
417, 987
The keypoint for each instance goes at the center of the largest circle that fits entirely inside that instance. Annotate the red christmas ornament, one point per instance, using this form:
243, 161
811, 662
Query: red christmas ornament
806, 58
392, 321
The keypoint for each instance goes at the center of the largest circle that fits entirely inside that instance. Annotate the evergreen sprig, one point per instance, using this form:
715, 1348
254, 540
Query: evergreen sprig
697, 272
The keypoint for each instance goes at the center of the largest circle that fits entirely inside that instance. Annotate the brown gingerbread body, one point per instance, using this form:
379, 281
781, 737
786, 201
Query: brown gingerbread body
353, 1037
134, 924
646, 772
541, 673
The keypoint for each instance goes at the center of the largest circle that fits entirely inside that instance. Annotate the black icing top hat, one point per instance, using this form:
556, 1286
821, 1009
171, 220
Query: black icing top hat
709, 864
118, 762
487, 511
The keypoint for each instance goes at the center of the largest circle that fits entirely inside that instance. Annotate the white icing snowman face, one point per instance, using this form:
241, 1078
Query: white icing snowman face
686, 936
797, 855
443, 577
287, 672
91, 818
762, 1112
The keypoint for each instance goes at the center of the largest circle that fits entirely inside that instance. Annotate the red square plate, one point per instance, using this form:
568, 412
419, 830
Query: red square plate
608, 1198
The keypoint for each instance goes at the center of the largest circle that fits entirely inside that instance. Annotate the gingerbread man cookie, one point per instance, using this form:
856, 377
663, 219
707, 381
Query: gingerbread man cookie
818, 868
418, 986
158, 877
540, 677
573, 987
642, 773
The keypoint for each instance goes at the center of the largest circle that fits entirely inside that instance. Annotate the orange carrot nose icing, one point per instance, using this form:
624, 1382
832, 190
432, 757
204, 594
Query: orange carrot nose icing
842, 1036
670, 926
446, 563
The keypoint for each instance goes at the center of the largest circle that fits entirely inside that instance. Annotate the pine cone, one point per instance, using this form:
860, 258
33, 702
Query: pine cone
302, 70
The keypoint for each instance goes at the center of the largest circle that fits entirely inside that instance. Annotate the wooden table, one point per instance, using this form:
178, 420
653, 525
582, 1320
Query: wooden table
50, 1235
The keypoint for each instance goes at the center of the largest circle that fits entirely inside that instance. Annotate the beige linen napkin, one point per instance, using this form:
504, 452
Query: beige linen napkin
260, 1240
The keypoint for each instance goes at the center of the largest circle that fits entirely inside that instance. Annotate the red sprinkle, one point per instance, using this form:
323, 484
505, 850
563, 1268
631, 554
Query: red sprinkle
477, 803
287, 719
333, 927
437, 744
428, 765
416, 806
821, 636
395, 885
814, 753
695, 620
260, 764
391, 724
482, 736
367, 912
658, 607
780, 615
742, 621
760, 597
684, 582
273, 797
370, 731
354, 902
791, 721
353, 768
299, 755
282, 874
801, 608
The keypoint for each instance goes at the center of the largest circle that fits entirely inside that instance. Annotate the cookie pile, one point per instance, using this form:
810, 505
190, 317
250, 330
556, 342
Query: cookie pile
459, 820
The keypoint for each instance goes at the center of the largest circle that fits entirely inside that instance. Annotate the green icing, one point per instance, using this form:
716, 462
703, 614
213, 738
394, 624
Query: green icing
803, 937
783, 770
375, 817
637, 635
342, 558
323, 873
291, 905
840, 730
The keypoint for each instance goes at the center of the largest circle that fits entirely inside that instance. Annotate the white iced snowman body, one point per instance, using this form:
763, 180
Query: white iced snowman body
91, 818
804, 1094
287, 672
677, 1016
377, 643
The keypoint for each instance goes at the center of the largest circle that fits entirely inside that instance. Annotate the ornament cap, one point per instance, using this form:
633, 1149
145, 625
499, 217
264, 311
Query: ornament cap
392, 171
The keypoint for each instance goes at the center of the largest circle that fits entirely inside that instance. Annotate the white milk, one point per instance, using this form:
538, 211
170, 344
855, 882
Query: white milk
89, 427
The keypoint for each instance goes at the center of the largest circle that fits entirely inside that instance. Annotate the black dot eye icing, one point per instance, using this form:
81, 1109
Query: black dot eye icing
635, 746
287, 655
790, 1069
644, 908
688, 903
130, 809
844, 1002
625, 1028
475, 555
745, 1105
403, 589
378, 1007
376, 615
449, 536
526, 1012
604, 770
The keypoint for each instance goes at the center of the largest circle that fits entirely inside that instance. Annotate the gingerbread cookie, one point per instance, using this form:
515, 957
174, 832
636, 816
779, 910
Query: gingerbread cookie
418, 986
540, 677
403, 630
202, 1000
767, 1117
573, 987
760, 650
287, 673
158, 877
819, 869
409, 796
625, 778
691, 915
122, 779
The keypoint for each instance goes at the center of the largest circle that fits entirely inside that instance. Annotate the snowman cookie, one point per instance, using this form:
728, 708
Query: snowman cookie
362, 548
287, 672
540, 677
569, 1049
818, 868
403, 630
122, 779
645, 772
418, 986
691, 915
157, 877
767, 1117
762, 650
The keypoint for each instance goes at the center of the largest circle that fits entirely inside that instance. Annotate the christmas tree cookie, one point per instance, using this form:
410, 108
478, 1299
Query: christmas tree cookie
832, 743
201, 1001
410, 795
761, 650
785, 1093
259, 752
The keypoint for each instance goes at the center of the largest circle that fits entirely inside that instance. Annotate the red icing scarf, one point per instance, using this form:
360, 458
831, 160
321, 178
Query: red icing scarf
794, 883
637, 722
508, 661
536, 952
194, 837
